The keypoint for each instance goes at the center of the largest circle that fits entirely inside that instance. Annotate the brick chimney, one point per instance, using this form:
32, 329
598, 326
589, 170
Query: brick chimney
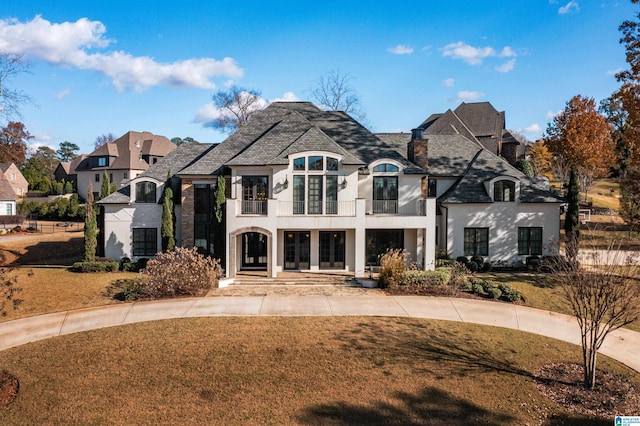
417, 149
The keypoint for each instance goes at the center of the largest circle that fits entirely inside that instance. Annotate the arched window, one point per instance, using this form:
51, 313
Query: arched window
145, 192
385, 167
504, 190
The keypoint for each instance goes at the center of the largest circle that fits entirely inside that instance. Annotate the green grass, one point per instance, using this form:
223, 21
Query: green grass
280, 371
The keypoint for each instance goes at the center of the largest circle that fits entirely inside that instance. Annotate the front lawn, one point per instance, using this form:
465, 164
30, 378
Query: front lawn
280, 371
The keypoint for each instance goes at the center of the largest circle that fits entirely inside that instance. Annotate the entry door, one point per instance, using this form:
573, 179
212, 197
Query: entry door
332, 245
296, 250
254, 251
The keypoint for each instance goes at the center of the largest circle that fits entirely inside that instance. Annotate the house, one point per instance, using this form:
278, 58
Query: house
14, 176
8, 197
479, 122
313, 190
122, 159
66, 171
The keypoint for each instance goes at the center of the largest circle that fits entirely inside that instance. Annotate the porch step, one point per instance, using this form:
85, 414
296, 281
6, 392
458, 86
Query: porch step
304, 280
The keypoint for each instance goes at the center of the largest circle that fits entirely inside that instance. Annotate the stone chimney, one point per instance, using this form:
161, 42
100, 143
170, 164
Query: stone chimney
417, 149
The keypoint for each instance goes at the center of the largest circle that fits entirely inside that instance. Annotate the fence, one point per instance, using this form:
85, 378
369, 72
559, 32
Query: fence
53, 227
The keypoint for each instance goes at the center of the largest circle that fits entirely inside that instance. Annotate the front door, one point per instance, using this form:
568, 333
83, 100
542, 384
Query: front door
296, 250
332, 244
254, 251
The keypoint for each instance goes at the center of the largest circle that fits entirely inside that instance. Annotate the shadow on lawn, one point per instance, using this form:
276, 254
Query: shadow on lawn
52, 253
431, 406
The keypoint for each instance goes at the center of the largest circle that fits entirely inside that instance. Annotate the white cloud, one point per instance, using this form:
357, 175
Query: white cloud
507, 66
208, 112
448, 82
614, 72
571, 6
401, 49
72, 44
550, 115
32, 148
466, 96
534, 128
475, 55
63, 93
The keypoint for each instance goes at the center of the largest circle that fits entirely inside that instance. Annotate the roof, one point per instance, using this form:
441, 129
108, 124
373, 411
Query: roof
5, 166
127, 151
6, 190
481, 118
285, 128
453, 155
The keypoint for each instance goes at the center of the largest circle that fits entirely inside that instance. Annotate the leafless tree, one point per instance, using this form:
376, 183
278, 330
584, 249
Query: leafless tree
334, 92
11, 99
235, 108
102, 139
603, 293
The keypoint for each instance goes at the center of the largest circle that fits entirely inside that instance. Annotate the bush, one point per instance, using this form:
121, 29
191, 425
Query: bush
462, 259
392, 266
473, 266
438, 278
443, 255
494, 293
178, 272
486, 267
509, 294
124, 263
477, 259
477, 288
533, 263
124, 289
98, 265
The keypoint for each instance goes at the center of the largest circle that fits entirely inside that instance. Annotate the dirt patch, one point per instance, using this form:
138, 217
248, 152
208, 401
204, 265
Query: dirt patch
9, 387
614, 395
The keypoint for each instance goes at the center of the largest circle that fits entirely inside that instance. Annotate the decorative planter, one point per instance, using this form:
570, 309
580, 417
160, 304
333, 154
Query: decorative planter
367, 283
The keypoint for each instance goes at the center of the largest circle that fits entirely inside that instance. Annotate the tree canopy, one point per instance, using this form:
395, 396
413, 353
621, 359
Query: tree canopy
334, 92
102, 139
13, 143
235, 107
67, 151
11, 99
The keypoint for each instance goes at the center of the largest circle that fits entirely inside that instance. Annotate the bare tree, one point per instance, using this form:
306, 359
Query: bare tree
334, 92
603, 294
11, 99
235, 107
102, 139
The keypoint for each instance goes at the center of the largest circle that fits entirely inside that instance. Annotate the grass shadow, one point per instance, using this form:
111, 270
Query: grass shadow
52, 253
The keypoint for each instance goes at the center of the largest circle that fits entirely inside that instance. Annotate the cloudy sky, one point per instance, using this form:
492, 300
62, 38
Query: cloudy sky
111, 67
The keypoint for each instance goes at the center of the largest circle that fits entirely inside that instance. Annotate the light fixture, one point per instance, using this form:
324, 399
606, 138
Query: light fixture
343, 184
286, 181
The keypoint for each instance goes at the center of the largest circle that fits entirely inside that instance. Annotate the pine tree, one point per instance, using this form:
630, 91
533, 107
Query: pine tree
90, 230
106, 187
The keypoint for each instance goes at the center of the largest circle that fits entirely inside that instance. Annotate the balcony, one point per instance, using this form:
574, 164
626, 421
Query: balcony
416, 207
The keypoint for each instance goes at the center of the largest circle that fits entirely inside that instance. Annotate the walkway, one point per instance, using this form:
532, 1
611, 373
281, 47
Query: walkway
622, 345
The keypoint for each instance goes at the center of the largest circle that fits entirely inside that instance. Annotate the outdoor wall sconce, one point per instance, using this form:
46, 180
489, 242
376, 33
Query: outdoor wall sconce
286, 181
343, 184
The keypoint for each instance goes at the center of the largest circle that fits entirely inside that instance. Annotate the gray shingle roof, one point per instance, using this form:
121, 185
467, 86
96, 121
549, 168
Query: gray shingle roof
6, 190
177, 160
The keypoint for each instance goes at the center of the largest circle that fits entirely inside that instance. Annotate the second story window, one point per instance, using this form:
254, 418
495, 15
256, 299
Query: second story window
504, 190
145, 192
316, 163
102, 161
385, 167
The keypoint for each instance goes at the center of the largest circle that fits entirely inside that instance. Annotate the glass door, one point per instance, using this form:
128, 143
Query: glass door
296, 250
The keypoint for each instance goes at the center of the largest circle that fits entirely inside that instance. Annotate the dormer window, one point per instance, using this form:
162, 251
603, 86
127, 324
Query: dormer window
316, 163
145, 192
504, 190
385, 167
299, 164
102, 161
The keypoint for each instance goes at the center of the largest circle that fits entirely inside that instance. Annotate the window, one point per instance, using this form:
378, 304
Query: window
102, 161
504, 190
126, 175
476, 241
13, 177
385, 167
332, 195
298, 163
298, 194
316, 163
332, 164
110, 177
145, 241
530, 241
432, 188
255, 191
380, 240
145, 192
315, 194
385, 194
97, 177
9, 209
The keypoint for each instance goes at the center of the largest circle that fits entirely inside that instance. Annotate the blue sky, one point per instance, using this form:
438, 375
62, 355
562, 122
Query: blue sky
111, 67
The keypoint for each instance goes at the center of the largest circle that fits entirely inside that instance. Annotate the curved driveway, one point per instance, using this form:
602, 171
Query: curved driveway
622, 345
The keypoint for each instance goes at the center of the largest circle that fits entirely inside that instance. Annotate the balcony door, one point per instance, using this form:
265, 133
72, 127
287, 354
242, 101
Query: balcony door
332, 248
255, 191
385, 194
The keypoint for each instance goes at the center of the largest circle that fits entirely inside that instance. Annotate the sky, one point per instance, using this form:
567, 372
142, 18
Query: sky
110, 67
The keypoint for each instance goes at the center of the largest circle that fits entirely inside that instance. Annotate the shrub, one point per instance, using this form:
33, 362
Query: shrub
417, 278
477, 288
478, 259
124, 263
392, 266
486, 267
462, 259
533, 263
443, 255
473, 266
178, 272
494, 293
509, 294
98, 265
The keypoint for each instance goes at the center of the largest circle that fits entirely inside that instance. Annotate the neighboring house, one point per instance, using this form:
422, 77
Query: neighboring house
122, 159
8, 197
14, 176
313, 190
66, 171
479, 122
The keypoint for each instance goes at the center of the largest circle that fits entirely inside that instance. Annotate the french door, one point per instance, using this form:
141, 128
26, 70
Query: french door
296, 250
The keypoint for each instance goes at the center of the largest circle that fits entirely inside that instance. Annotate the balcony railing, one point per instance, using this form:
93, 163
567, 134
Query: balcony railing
393, 207
314, 208
254, 207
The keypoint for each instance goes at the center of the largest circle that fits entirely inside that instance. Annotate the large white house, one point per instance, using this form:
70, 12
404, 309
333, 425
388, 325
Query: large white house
313, 190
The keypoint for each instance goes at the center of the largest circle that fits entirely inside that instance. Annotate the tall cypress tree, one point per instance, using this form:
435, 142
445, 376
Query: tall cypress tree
168, 239
572, 219
106, 187
90, 230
